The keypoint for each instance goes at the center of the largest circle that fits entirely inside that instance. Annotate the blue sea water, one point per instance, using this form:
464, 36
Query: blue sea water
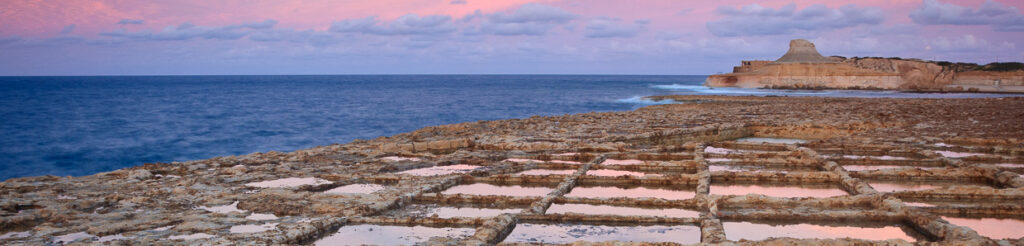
84, 125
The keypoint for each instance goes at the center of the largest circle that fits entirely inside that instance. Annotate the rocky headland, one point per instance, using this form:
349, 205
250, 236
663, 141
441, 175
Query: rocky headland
970, 150
802, 67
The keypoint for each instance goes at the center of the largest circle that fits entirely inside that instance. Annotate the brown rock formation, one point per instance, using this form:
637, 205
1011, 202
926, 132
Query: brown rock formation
802, 67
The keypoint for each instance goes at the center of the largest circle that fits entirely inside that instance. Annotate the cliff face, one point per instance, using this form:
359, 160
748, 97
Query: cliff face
803, 67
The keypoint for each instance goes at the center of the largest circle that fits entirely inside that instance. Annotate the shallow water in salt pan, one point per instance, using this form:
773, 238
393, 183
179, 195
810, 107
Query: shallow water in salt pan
288, 182
15, 235
356, 189
893, 187
258, 216
635, 192
233, 207
616, 173
451, 212
991, 227
397, 158
441, 170
567, 233
869, 167
612, 162
540, 161
736, 231
252, 228
718, 159
389, 235
952, 154
1010, 165
619, 210
546, 172
191, 236
883, 157
498, 190
777, 191
772, 140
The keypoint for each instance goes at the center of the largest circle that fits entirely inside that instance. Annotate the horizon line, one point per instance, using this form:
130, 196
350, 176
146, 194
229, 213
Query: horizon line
356, 74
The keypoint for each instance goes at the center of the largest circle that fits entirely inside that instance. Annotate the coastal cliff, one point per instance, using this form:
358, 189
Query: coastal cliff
802, 67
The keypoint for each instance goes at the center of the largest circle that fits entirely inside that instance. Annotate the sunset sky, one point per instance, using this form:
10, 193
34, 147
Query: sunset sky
124, 37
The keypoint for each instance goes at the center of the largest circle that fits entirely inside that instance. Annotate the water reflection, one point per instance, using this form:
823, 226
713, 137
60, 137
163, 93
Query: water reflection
777, 190
991, 227
441, 170
635, 192
619, 210
356, 189
568, 233
546, 172
616, 173
390, 235
772, 140
498, 190
736, 231
612, 162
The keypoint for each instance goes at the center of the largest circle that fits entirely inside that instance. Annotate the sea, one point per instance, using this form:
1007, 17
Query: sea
74, 126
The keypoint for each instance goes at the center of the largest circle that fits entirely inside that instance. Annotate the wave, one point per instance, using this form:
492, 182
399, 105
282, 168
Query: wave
700, 89
645, 101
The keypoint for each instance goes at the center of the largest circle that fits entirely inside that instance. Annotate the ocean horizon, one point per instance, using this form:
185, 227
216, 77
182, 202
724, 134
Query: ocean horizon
82, 125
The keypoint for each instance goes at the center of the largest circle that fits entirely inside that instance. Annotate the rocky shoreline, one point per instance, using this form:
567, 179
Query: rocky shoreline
306, 196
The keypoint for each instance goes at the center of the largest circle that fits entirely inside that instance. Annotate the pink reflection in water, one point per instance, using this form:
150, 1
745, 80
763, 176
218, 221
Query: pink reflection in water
397, 158
714, 150
751, 231
884, 157
617, 210
1010, 165
717, 159
638, 192
566, 154
441, 170
500, 190
952, 154
389, 235
621, 162
531, 160
450, 212
869, 167
919, 204
546, 172
891, 187
616, 173
991, 227
776, 191
356, 189
568, 233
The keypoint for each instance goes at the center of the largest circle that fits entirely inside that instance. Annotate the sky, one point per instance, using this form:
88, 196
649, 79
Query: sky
201, 37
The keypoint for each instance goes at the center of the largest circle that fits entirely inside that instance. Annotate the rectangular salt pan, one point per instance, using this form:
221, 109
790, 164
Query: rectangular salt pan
992, 227
390, 235
736, 231
637, 192
616, 173
441, 170
772, 140
451, 212
776, 191
356, 189
894, 187
619, 210
539, 161
288, 182
952, 154
613, 162
568, 233
546, 172
485, 189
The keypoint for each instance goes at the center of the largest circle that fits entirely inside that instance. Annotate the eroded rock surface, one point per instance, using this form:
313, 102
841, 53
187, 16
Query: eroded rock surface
282, 198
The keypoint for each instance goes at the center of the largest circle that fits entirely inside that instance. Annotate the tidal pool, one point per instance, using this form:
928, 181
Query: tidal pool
778, 190
991, 227
620, 210
485, 189
568, 233
440, 170
736, 231
634, 192
389, 235
772, 140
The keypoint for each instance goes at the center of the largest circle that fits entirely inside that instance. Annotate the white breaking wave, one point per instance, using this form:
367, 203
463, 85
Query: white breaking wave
708, 90
645, 101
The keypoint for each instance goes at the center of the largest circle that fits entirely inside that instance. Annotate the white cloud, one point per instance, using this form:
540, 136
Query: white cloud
754, 20
1001, 17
